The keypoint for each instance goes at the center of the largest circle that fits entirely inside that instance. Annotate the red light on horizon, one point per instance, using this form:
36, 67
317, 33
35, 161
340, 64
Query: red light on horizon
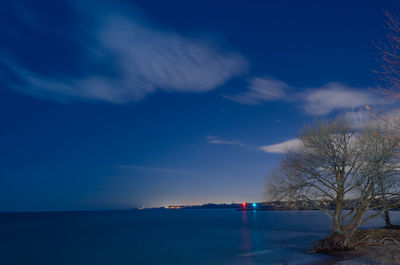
244, 204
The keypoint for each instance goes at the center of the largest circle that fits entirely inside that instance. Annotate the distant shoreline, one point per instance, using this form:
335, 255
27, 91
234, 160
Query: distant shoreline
234, 206
248, 206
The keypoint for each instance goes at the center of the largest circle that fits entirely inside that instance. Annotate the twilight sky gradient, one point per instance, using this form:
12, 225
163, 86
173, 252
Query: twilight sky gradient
110, 106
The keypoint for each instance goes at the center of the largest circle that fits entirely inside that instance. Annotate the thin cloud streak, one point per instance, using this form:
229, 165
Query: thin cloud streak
157, 169
217, 140
278, 148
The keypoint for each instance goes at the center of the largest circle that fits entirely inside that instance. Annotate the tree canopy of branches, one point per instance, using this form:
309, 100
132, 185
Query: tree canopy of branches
337, 168
387, 177
389, 55
389, 73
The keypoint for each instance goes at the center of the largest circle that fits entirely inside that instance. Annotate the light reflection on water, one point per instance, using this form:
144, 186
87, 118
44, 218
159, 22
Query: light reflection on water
163, 237
246, 240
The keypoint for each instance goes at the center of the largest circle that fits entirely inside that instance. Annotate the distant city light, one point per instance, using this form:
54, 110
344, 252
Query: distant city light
254, 204
244, 204
173, 207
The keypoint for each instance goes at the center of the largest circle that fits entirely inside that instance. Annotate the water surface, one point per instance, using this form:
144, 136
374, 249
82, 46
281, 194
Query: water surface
162, 237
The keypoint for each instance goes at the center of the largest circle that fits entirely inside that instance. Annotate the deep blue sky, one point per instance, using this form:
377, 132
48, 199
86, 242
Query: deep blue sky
110, 106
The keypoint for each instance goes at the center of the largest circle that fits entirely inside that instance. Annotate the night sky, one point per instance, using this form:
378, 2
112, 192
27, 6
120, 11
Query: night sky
153, 103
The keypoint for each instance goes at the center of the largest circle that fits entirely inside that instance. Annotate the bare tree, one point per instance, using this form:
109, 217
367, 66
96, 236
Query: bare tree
335, 169
384, 140
389, 56
385, 184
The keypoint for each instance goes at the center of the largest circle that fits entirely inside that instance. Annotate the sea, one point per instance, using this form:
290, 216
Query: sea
164, 237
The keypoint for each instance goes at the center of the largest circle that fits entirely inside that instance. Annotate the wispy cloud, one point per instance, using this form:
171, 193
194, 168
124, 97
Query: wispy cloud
359, 117
261, 90
140, 57
322, 100
362, 117
156, 169
282, 147
337, 96
122, 58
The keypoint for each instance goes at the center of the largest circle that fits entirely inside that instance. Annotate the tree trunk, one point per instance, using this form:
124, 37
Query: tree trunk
337, 241
386, 217
340, 240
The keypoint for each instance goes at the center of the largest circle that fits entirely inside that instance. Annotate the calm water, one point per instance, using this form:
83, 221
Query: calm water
162, 237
